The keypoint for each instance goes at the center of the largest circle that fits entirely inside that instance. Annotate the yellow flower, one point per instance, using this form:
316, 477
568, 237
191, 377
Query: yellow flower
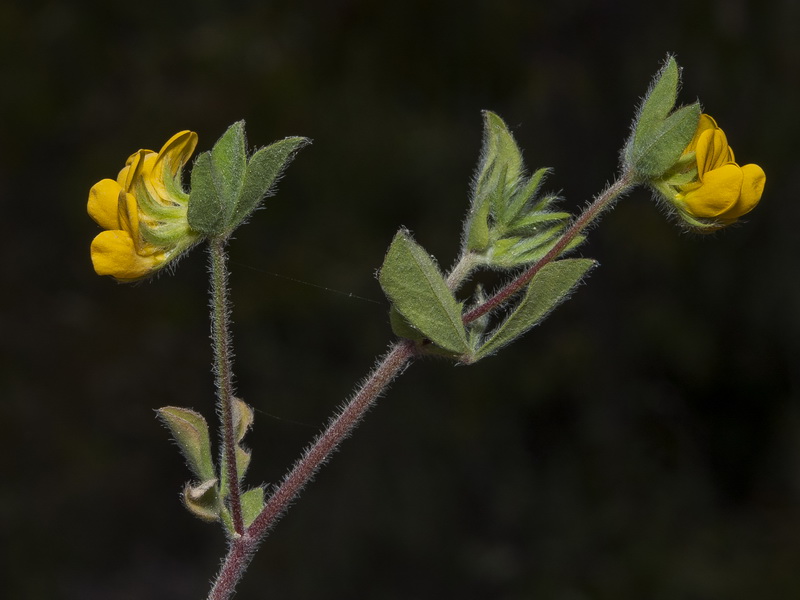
722, 191
143, 212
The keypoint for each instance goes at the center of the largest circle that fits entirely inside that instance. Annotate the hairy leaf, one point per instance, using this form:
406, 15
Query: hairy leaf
413, 283
551, 286
205, 213
190, 431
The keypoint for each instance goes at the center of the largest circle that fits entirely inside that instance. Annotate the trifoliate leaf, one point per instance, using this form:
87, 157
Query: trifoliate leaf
477, 239
263, 171
658, 103
413, 283
500, 192
523, 195
537, 252
551, 286
518, 250
190, 432
485, 211
402, 328
499, 171
662, 148
478, 227
228, 164
537, 221
500, 153
205, 213
660, 135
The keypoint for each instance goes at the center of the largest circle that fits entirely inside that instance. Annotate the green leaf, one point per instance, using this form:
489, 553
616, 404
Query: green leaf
524, 194
536, 254
659, 100
190, 431
533, 222
499, 150
479, 237
478, 226
243, 417
227, 188
402, 328
549, 287
205, 213
413, 283
515, 251
660, 135
252, 504
228, 164
663, 147
499, 168
242, 422
263, 171
500, 193
243, 456
202, 500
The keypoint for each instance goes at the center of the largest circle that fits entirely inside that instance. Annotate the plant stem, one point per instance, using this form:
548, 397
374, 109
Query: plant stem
223, 360
462, 270
590, 213
340, 426
242, 548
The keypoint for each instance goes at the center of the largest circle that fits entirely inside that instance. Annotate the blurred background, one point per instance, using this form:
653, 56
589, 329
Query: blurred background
643, 443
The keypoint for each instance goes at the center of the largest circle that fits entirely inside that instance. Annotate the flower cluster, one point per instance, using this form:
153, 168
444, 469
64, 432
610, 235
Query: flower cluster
144, 212
710, 190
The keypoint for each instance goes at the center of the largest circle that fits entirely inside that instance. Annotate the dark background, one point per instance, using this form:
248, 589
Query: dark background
643, 443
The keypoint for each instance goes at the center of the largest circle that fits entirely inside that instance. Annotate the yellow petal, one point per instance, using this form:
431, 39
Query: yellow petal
705, 123
176, 152
103, 201
171, 159
753, 180
702, 150
136, 154
114, 253
122, 176
128, 215
712, 151
146, 164
133, 169
125, 175
718, 193
151, 181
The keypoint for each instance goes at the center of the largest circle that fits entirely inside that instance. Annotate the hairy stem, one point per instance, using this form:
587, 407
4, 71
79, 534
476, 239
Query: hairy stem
223, 361
241, 549
590, 213
462, 270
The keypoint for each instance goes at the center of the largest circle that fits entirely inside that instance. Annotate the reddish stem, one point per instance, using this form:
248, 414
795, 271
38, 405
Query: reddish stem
241, 549
220, 306
591, 212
